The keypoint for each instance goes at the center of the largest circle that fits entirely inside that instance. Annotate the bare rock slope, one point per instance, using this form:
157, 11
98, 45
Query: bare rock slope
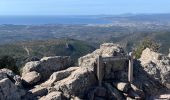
52, 78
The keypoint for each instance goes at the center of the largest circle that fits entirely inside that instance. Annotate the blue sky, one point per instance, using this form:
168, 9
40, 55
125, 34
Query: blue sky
82, 7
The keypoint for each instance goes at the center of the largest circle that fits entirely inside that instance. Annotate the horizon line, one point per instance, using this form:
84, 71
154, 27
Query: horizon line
86, 14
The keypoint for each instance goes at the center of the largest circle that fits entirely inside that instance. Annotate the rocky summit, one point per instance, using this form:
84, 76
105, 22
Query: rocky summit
53, 78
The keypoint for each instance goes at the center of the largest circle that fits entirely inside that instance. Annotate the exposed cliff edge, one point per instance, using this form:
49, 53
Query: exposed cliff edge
52, 78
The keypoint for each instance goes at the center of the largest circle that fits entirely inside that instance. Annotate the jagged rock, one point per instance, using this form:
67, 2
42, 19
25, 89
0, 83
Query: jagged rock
59, 75
47, 65
106, 50
143, 81
112, 70
9, 91
4, 73
52, 96
10, 85
148, 55
77, 83
31, 77
7, 71
31, 66
80, 80
122, 86
157, 66
39, 91
18, 81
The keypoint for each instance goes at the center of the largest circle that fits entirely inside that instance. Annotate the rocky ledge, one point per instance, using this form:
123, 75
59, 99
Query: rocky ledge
52, 78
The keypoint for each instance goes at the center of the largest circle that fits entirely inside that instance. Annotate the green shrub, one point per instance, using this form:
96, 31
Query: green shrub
146, 43
9, 63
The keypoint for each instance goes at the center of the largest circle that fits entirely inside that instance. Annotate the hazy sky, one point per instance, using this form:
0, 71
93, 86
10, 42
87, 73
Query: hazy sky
82, 7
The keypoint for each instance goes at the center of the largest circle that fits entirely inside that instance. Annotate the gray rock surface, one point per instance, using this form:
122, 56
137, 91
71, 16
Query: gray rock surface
9, 91
9, 86
8, 72
59, 75
32, 77
157, 66
31, 66
52, 96
80, 80
105, 50
47, 65
77, 83
39, 91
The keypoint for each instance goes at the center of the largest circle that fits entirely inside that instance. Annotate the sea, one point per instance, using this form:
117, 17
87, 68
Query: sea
38, 20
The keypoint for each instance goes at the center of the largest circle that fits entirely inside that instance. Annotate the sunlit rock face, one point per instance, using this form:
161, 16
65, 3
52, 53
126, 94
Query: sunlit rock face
63, 82
157, 65
105, 50
46, 66
8, 87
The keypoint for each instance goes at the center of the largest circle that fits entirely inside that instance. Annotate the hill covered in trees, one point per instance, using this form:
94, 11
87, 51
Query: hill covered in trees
19, 53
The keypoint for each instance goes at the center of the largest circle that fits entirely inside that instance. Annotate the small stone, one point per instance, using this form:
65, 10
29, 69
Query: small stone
122, 86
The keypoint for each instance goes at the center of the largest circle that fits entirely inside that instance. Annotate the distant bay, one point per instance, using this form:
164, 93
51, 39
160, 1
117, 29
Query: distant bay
39, 20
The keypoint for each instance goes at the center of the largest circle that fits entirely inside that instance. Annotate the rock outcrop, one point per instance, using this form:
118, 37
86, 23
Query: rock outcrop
46, 66
32, 77
106, 50
59, 75
82, 79
157, 66
78, 83
8, 89
52, 78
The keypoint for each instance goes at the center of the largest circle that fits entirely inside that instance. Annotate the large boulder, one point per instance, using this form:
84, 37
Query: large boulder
113, 70
47, 65
78, 83
105, 50
82, 79
157, 66
31, 66
6, 73
9, 90
31, 77
59, 75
